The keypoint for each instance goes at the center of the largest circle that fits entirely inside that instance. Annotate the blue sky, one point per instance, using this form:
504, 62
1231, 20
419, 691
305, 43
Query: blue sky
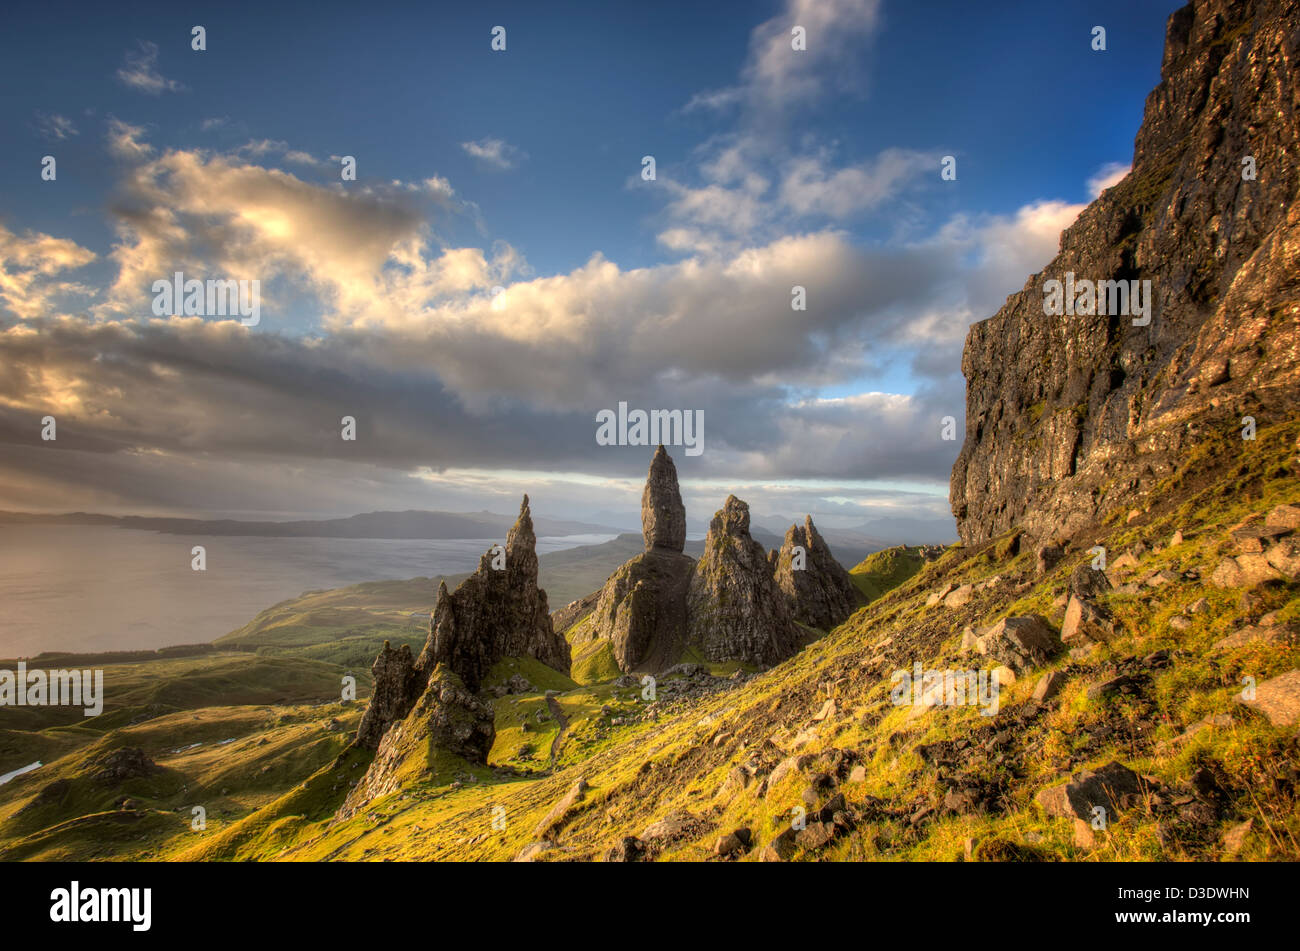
520, 169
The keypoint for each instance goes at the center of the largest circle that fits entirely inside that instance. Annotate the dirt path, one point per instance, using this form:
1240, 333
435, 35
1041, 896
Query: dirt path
554, 706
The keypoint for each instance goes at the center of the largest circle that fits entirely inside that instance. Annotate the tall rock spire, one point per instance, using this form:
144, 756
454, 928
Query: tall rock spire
499, 611
641, 609
663, 516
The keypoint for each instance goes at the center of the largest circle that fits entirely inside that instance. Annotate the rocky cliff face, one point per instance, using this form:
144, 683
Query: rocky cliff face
735, 611
817, 589
496, 612
1093, 409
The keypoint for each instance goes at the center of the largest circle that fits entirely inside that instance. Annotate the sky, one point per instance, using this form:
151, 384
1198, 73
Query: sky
502, 268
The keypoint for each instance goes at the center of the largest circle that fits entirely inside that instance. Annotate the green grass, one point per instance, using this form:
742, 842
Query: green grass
884, 571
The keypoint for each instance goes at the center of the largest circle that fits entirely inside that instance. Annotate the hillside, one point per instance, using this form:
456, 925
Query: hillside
1106, 668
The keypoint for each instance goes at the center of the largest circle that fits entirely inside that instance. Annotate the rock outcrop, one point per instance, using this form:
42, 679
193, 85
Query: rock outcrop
497, 612
817, 589
663, 516
735, 611
446, 719
1095, 409
397, 687
641, 609
494, 613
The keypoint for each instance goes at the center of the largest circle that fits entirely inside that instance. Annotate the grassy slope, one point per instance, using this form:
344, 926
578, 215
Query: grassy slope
649, 769
878, 574
653, 763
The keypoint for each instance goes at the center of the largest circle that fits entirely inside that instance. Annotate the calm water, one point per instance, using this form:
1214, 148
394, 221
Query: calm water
87, 588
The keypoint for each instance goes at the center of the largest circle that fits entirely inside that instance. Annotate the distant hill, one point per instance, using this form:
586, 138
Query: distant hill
408, 524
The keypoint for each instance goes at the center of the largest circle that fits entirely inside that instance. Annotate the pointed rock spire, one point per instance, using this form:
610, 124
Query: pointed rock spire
734, 608
495, 613
663, 516
817, 589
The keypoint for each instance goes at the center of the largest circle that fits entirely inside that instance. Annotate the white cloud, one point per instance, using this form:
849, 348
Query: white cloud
775, 76
141, 73
495, 153
1108, 175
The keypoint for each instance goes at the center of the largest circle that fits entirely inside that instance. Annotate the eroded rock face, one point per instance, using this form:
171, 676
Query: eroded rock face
642, 610
1093, 411
448, 718
663, 516
397, 687
735, 611
820, 594
495, 613
642, 607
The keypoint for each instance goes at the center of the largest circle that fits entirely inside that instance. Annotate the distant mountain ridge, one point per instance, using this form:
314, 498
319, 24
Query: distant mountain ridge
412, 523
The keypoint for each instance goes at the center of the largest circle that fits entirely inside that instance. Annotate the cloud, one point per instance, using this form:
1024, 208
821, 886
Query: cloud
55, 127
1108, 175
29, 269
141, 74
776, 77
494, 153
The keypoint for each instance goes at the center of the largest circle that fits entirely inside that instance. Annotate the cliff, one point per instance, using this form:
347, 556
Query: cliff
1094, 409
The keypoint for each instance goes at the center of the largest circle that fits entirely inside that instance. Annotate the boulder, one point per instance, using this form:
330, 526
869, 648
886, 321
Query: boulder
1020, 642
1105, 787
1278, 699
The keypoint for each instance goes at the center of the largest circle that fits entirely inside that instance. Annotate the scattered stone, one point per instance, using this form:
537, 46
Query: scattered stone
577, 792
1084, 837
1234, 840
1250, 634
627, 849
1047, 557
1105, 787
1049, 685
1087, 621
827, 710
534, 850
674, 825
959, 596
1243, 571
1124, 683
1125, 561
781, 848
1283, 518
1278, 698
1284, 556
1020, 642
1180, 622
